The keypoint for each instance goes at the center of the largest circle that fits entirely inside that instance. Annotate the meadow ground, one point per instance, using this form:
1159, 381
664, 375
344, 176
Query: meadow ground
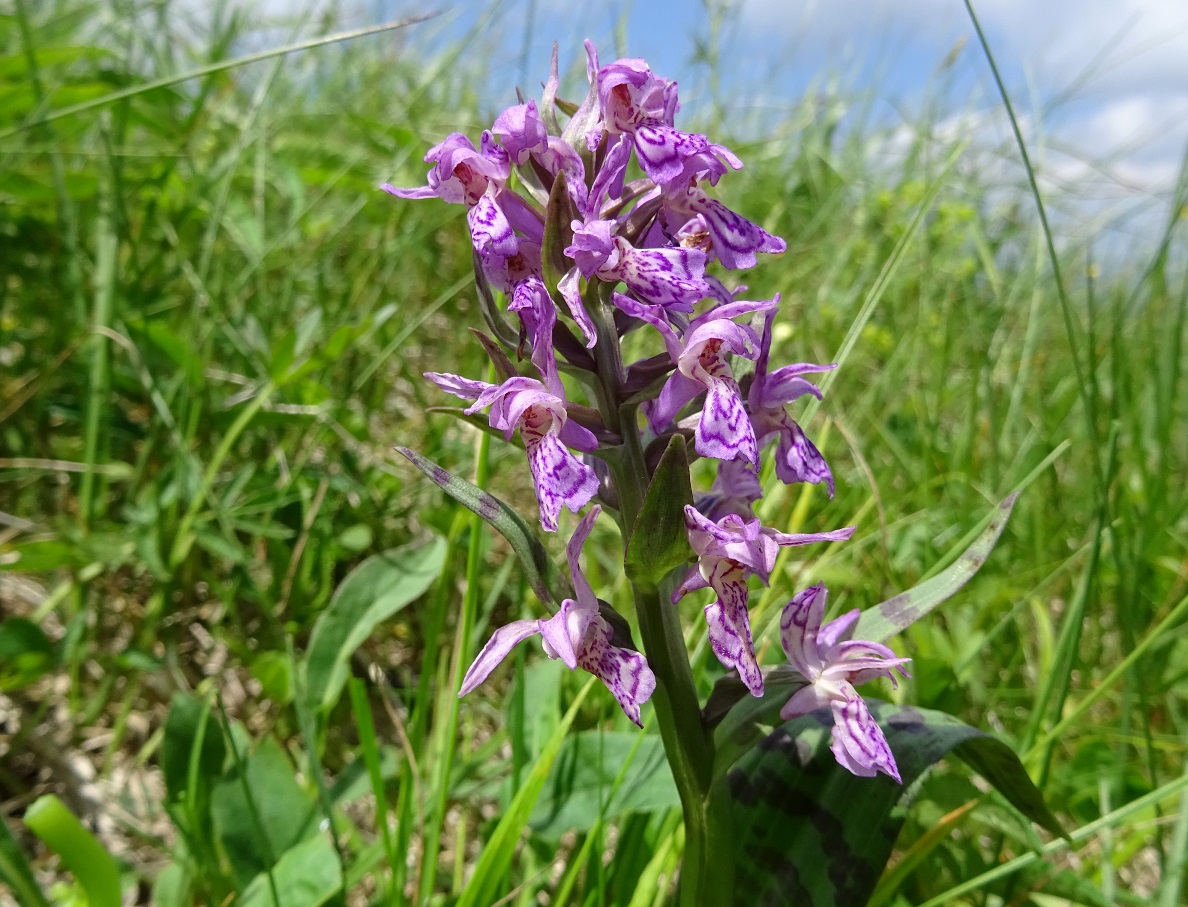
212, 331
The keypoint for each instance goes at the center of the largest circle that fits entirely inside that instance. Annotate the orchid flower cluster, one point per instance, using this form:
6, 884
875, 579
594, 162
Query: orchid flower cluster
588, 250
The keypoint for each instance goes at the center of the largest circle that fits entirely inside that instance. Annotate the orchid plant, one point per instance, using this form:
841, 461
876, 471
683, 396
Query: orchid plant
588, 249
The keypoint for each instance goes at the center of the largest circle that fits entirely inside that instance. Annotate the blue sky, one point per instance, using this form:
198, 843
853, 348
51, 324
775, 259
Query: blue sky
1101, 85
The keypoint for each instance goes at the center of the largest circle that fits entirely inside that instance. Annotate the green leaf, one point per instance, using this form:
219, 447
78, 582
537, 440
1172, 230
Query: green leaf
191, 738
307, 875
26, 653
539, 569
371, 593
585, 772
275, 673
173, 887
807, 831
659, 540
558, 234
93, 867
493, 863
254, 833
15, 871
885, 620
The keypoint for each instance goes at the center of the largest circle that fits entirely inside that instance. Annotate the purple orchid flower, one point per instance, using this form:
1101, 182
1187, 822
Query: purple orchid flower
521, 131
672, 278
462, 174
834, 664
636, 103
560, 478
729, 551
797, 458
578, 635
724, 431
733, 239
735, 490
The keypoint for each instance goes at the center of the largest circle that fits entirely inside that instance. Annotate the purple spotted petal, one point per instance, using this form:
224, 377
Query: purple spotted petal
785, 385
730, 629
625, 673
502, 641
489, 228
530, 300
609, 180
560, 478
678, 390
662, 150
693, 581
593, 247
786, 539
654, 315
564, 633
800, 622
571, 292
673, 278
797, 458
806, 699
859, 744
724, 432
520, 130
459, 386
581, 586
735, 239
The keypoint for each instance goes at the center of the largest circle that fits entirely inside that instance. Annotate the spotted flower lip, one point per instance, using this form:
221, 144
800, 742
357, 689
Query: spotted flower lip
578, 635
834, 664
729, 551
797, 458
560, 478
724, 430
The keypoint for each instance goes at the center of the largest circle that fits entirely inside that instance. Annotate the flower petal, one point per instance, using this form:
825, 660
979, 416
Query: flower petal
730, 632
797, 458
724, 432
581, 586
625, 673
800, 622
502, 641
560, 479
859, 744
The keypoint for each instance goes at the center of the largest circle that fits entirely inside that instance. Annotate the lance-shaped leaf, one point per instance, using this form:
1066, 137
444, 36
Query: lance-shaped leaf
539, 569
560, 213
808, 832
659, 540
885, 620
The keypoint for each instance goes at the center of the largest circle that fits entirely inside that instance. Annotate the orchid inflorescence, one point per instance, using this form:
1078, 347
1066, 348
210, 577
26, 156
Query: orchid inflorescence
586, 256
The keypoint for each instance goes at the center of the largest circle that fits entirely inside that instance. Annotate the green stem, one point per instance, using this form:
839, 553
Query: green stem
688, 744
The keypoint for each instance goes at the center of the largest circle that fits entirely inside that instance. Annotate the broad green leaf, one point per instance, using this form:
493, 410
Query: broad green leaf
307, 875
15, 871
585, 771
93, 867
255, 832
659, 540
371, 593
173, 887
539, 569
191, 739
809, 832
26, 653
885, 620
493, 863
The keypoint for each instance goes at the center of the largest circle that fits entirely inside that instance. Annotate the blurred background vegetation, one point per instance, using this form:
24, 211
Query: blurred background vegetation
212, 327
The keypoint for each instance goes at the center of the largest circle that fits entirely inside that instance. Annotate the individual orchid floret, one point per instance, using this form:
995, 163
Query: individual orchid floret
638, 104
797, 458
521, 132
672, 278
560, 478
732, 238
578, 635
462, 174
735, 490
729, 551
834, 664
724, 431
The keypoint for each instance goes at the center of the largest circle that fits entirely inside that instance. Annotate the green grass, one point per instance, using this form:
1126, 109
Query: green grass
213, 328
